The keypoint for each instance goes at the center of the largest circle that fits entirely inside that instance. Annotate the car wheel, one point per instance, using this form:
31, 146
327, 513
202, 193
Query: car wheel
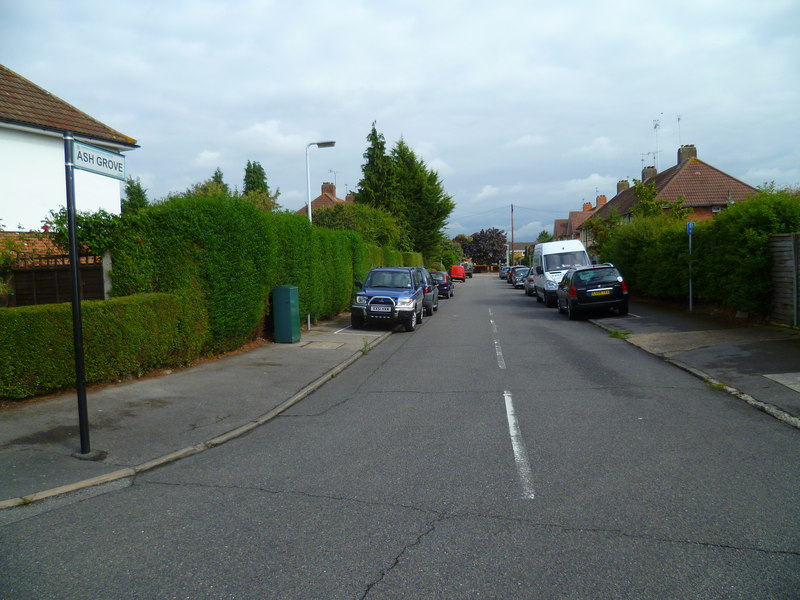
429, 310
550, 302
538, 297
356, 320
623, 308
572, 314
411, 322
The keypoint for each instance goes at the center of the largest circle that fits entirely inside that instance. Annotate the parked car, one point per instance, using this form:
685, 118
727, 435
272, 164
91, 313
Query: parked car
529, 283
592, 287
431, 299
389, 295
512, 273
503, 271
550, 261
458, 273
519, 277
443, 283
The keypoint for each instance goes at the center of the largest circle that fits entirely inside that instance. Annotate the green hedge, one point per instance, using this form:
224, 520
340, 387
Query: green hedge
121, 337
730, 260
213, 262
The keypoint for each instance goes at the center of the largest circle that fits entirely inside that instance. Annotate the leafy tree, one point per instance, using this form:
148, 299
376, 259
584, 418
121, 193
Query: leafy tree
425, 205
9, 247
214, 187
256, 189
135, 196
94, 230
462, 240
378, 185
375, 225
649, 205
544, 236
488, 246
599, 229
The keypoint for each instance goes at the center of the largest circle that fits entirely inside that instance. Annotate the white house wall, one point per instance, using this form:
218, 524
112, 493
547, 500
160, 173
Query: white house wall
33, 181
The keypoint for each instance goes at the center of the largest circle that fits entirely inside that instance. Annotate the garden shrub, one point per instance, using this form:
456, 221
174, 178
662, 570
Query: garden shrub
121, 337
730, 260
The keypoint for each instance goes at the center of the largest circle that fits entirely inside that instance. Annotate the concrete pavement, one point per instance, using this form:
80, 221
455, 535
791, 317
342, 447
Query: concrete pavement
139, 425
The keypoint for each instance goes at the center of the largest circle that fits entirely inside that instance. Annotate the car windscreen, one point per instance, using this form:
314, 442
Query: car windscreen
388, 279
565, 260
598, 276
437, 276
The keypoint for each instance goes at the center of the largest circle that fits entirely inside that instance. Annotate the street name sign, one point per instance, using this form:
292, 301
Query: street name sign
97, 160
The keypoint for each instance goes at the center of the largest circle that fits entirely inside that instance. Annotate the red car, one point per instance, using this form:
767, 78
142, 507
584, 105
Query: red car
458, 273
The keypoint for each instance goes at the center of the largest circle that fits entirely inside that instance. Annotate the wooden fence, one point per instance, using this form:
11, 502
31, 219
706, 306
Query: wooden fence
46, 280
785, 249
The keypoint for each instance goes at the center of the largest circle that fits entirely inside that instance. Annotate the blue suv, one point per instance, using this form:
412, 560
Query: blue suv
389, 294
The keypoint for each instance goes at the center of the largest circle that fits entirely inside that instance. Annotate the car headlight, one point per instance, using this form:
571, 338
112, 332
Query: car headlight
361, 299
405, 302
550, 285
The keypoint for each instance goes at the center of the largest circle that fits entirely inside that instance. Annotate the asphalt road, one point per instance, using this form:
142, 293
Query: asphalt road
500, 451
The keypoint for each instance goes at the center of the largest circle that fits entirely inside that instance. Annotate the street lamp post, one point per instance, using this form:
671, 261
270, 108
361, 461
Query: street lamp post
327, 144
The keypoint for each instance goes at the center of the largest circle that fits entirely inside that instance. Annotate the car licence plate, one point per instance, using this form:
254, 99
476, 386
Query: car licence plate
601, 293
382, 308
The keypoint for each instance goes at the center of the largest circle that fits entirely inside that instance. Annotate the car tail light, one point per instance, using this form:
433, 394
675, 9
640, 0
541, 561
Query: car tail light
624, 287
573, 292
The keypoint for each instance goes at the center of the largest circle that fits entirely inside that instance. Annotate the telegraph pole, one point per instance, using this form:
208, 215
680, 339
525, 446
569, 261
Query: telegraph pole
512, 233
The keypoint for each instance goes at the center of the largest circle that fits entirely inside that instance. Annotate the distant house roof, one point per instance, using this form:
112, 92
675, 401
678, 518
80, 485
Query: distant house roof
25, 104
325, 199
560, 229
696, 181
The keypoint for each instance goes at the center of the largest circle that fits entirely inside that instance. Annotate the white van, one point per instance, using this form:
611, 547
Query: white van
550, 261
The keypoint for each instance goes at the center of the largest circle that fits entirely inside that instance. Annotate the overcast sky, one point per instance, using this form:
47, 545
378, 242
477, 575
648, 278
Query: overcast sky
542, 105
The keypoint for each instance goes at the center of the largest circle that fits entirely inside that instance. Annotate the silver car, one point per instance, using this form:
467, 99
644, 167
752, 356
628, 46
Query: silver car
519, 277
528, 286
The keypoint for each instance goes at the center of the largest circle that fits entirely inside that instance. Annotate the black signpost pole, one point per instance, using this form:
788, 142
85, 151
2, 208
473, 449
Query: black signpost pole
77, 323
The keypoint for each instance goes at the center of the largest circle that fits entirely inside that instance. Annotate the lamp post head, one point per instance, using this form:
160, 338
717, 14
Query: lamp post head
328, 144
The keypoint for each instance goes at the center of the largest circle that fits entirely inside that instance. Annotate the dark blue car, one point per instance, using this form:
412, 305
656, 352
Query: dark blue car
444, 283
389, 294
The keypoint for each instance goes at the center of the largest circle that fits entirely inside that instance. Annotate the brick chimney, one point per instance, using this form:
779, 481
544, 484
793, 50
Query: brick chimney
587, 206
600, 201
329, 188
686, 152
648, 173
350, 198
622, 185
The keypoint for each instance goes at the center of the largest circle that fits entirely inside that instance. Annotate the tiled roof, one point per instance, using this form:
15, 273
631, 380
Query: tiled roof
25, 103
30, 244
326, 199
560, 228
699, 183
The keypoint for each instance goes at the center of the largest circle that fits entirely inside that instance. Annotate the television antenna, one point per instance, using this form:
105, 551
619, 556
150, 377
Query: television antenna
656, 127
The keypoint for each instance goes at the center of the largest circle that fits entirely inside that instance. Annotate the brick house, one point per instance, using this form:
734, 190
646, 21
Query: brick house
326, 198
32, 181
704, 188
